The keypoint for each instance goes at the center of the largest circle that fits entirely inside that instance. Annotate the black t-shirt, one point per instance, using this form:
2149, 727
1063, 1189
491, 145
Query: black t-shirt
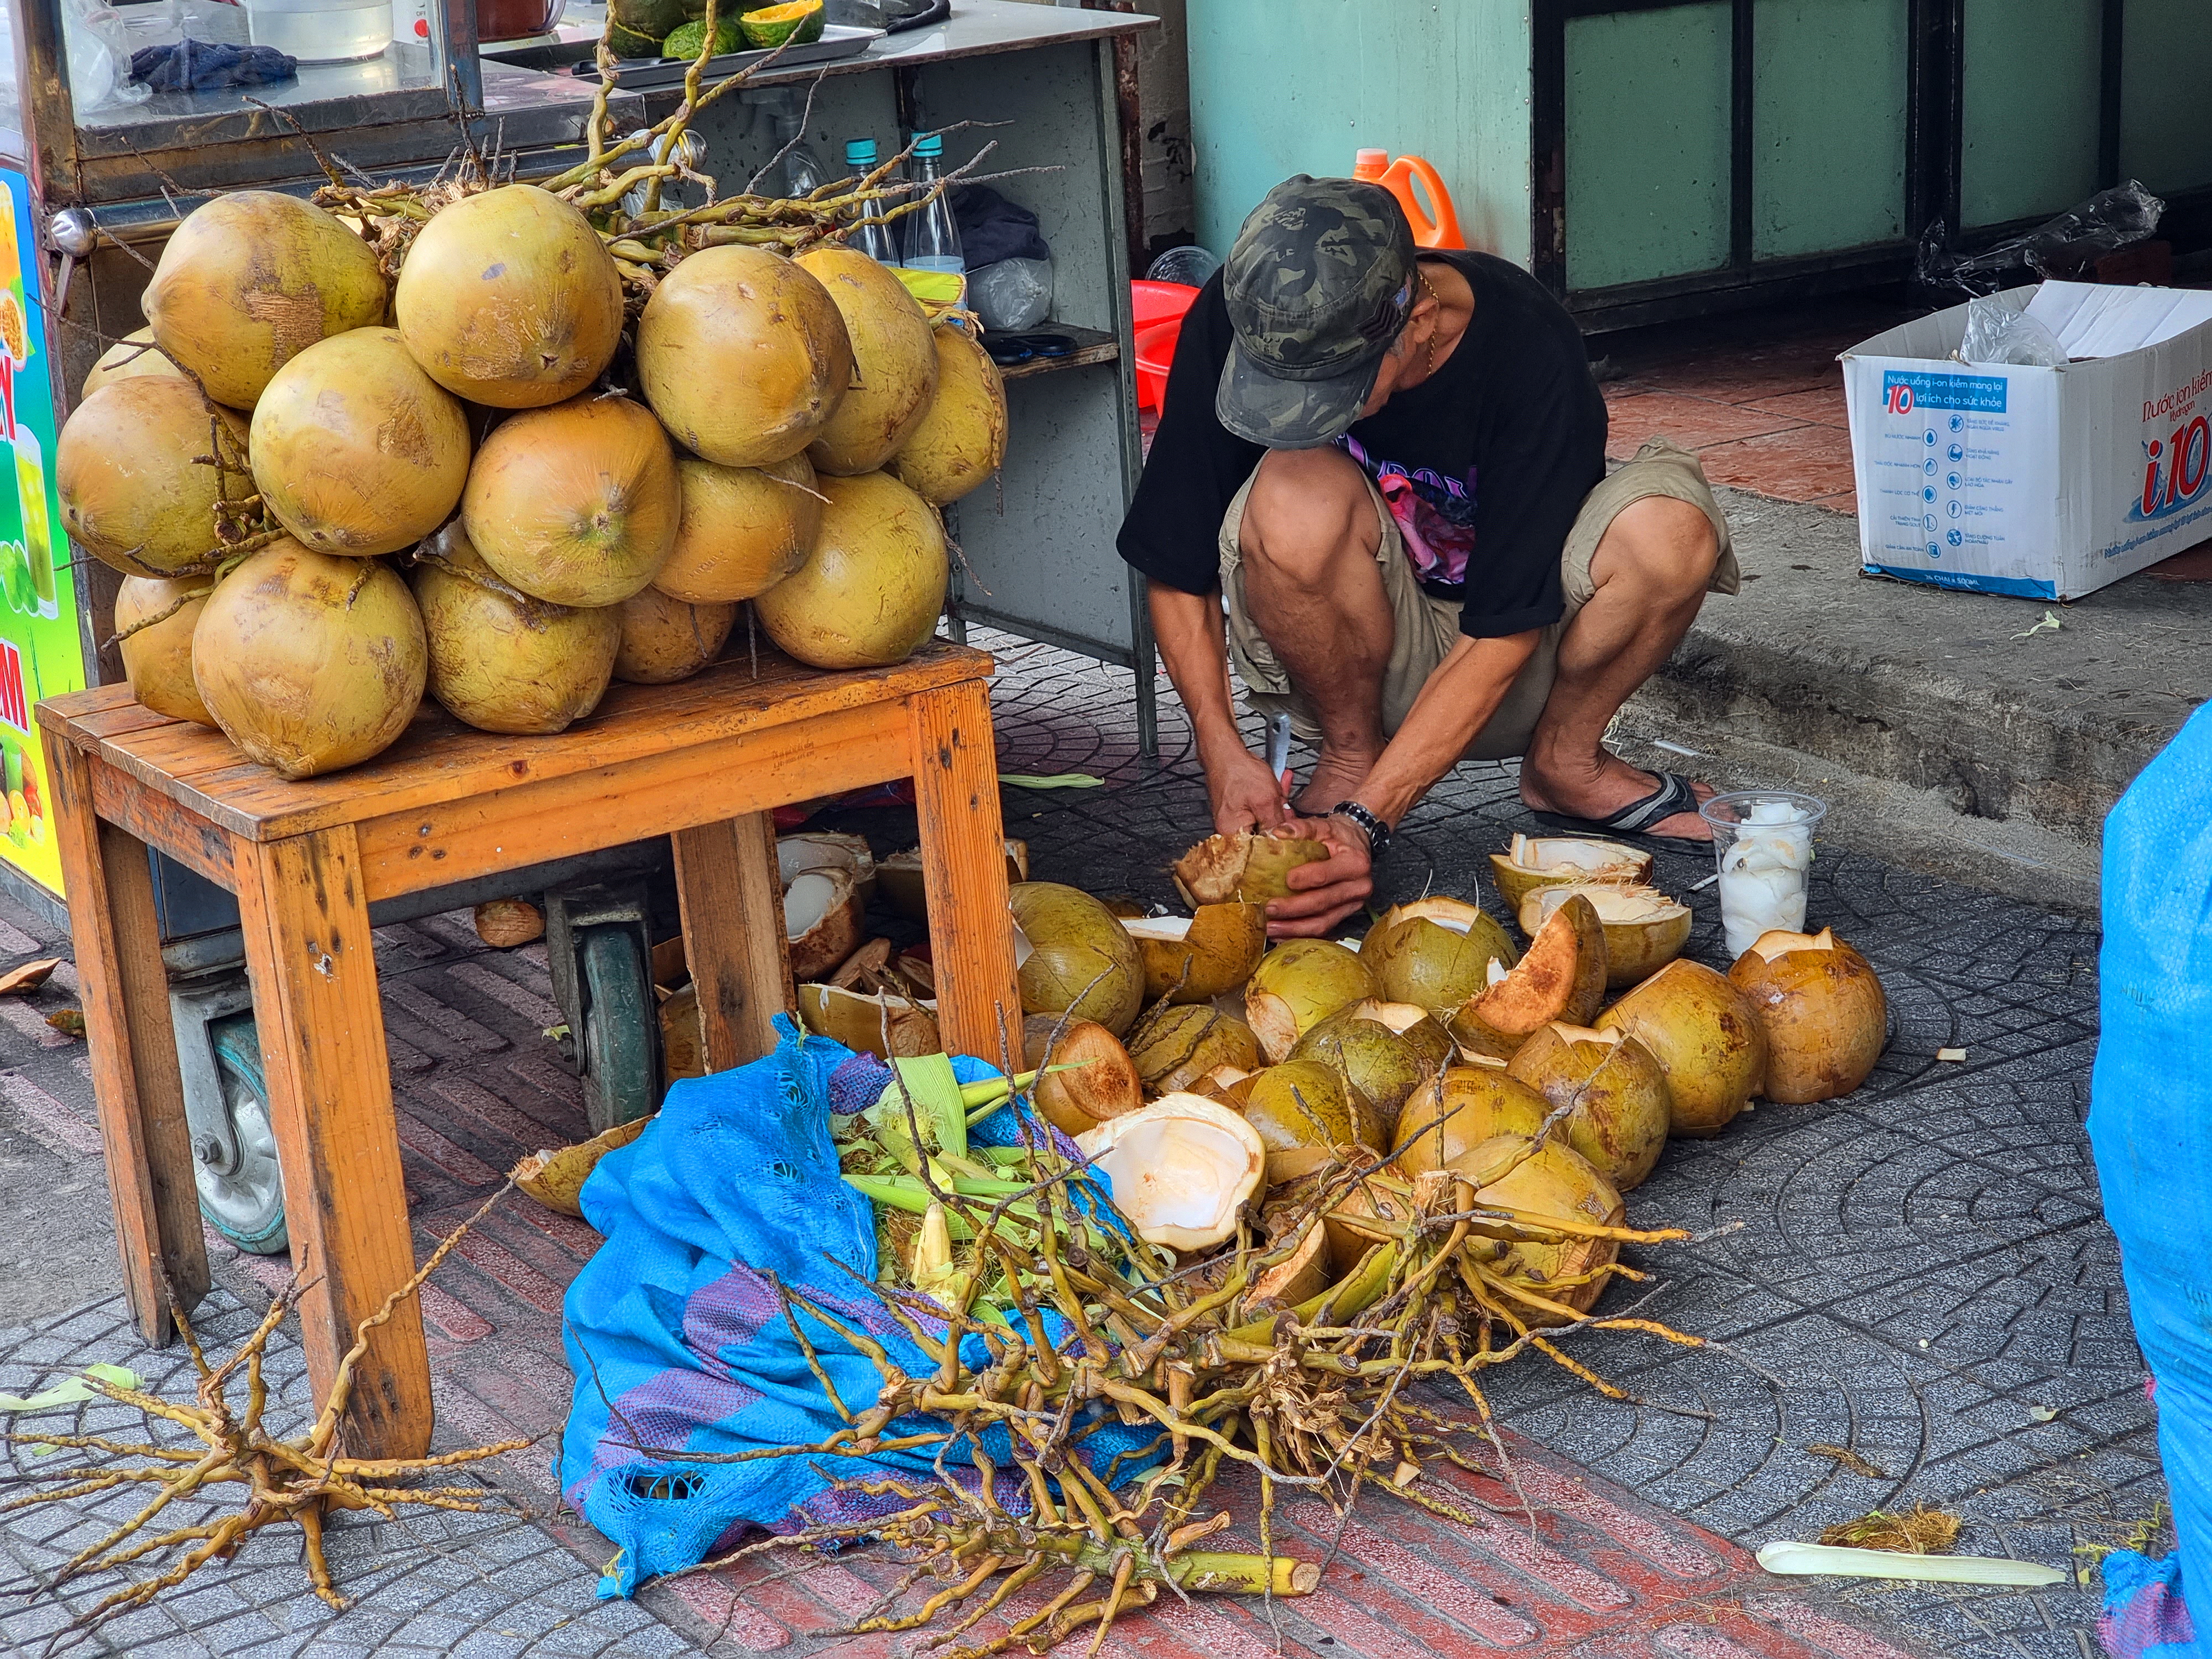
1484, 465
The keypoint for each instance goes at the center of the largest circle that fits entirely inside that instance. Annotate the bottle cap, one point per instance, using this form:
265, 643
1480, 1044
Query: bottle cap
1377, 159
859, 152
930, 145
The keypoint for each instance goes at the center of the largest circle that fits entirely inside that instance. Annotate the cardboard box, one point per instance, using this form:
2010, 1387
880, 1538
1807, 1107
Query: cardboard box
2043, 482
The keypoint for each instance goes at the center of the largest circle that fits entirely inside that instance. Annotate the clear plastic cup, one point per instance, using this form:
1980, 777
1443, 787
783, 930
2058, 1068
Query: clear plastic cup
1763, 843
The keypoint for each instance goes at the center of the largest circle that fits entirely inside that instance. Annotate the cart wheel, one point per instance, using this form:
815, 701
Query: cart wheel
619, 1028
242, 1191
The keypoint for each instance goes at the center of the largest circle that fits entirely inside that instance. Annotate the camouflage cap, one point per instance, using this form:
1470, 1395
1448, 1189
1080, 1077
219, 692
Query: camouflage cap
1319, 284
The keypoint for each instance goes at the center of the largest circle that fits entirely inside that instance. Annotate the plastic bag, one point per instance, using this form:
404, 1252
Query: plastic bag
1011, 295
99, 47
1997, 334
2108, 220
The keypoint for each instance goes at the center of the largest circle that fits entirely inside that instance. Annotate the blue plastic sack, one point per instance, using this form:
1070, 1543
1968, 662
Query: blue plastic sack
680, 1346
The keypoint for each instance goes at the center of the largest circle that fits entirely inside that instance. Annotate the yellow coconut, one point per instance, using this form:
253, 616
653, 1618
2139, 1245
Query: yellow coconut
1822, 1007
879, 1024
1561, 977
1706, 1037
665, 640
742, 355
134, 355
1534, 861
1182, 1168
1435, 952
1304, 1112
356, 450
1617, 1097
153, 621
1645, 930
1196, 959
500, 659
128, 468
1176, 1047
1299, 983
250, 279
509, 298
870, 590
1464, 1107
961, 436
308, 662
894, 359
744, 529
1072, 953
1549, 1181
576, 504
1246, 866
1100, 1080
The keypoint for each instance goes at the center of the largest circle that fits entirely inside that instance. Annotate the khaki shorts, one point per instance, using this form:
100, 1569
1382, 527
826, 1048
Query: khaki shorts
1427, 627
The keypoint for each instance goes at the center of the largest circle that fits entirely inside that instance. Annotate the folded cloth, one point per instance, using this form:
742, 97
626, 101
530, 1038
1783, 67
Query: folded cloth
196, 66
992, 229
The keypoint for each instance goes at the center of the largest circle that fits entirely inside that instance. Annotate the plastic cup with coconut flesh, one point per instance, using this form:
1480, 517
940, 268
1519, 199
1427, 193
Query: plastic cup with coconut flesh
1763, 839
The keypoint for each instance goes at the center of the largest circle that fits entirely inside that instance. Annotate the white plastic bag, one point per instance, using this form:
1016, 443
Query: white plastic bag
1011, 295
1996, 333
99, 47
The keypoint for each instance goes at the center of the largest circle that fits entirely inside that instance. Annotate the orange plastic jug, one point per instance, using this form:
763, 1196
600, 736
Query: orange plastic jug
1398, 177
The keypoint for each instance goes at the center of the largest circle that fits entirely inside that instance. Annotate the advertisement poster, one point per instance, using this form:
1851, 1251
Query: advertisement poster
39, 653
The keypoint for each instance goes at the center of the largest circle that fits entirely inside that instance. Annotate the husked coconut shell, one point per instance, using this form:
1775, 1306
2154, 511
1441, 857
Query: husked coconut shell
1549, 1181
157, 654
1435, 952
1303, 1113
576, 504
1379, 1208
1617, 1095
1198, 957
509, 298
1463, 1108
894, 359
355, 449
556, 1179
1822, 1004
1175, 1047
1301, 1275
1562, 977
500, 659
1382, 1050
1534, 861
1706, 1037
901, 877
1247, 866
684, 1035
1077, 955
823, 920
886, 1026
819, 849
1181, 1168
134, 355
252, 278
1299, 983
504, 923
1101, 1080
665, 640
871, 592
961, 437
135, 492
742, 529
1645, 930
742, 355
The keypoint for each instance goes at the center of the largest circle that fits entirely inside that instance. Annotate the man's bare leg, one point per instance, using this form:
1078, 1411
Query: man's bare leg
1312, 587
1650, 571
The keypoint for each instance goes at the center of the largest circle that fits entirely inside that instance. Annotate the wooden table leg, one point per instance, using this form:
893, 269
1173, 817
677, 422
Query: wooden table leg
963, 869
732, 901
314, 968
141, 1095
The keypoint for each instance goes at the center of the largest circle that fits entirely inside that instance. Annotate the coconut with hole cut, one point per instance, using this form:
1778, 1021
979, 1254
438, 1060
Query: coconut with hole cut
821, 850
1706, 1037
1181, 1168
882, 1024
1554, 1182
1176, 1045
1561, 977
823, 919
1299, 983
1382, 1050
1072, 953
1823, 1009
1305, 1112
1247, 866
1462, 1107
900, 878
1645, 930
1196, 959
1101, 1081
1535, 861
1435, 952
1618, 1101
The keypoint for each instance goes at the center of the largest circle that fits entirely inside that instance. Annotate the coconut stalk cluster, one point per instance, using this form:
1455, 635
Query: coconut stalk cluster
500, 444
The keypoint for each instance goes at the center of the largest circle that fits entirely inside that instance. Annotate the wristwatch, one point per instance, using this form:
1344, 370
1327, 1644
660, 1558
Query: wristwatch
1378, 833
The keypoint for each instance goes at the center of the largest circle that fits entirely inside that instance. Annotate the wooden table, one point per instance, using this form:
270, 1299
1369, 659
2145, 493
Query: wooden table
700, 762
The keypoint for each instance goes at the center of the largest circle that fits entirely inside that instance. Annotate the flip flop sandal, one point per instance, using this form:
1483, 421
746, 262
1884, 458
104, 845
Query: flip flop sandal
1635, 820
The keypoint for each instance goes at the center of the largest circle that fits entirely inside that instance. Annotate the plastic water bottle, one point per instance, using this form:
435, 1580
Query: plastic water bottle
931, 241
800, 172
870, 235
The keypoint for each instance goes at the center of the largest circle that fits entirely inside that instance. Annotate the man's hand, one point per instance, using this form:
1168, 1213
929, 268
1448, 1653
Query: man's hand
1325, 893
1244, 793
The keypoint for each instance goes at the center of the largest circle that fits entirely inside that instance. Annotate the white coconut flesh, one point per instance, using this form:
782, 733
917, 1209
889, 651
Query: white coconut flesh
1620, 906
1399, 1018
1496, 971
1181, 1168
1556, 854
1456, 915
1023, 949
797, 854
1174, 929
809, 899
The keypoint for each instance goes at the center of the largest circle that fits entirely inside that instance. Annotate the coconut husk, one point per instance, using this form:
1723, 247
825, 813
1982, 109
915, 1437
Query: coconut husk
823, 918
1616, 1092
1245, 867
1823, 1010
1545, 1178
885, 1024
1645, 930
505, 923
1196, 959
1706, 1037
1176, 1046
1304, 1112
863, 965
1183, 1168
683, 1035
556, 1179
1534, 861
1561, 977
1299, 983
1101, 1082
1916, 1531
1463, 1108
1079, 958
899, 877
1383, 1051
817, 849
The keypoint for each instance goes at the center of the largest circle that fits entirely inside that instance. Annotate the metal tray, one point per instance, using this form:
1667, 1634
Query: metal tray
652, 74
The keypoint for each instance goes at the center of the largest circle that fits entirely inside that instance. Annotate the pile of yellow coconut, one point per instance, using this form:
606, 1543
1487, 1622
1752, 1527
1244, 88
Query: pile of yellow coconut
330, 492
1215, 1078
